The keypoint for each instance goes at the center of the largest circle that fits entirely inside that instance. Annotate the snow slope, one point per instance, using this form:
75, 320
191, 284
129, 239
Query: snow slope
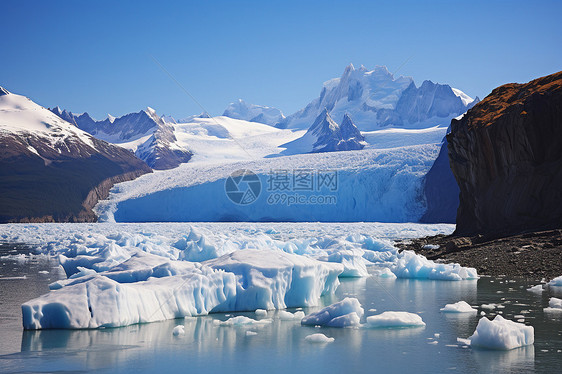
19, 115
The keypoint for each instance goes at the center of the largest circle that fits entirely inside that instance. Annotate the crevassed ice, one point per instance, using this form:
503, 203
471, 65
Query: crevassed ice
152, 291
229, 267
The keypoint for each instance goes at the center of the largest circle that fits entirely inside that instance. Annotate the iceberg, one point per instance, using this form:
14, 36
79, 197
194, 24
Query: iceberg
554, 305
501, 334
347, 312
139, 291
275, 279
412, 265
318, 338
394, 320
104, 302
459, 307
536, 289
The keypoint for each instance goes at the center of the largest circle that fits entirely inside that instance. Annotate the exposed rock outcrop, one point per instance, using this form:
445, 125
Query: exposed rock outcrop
441, 191
506, 156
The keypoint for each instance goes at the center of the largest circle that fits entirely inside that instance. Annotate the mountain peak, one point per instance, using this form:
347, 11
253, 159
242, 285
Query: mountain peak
3, 91
349, 68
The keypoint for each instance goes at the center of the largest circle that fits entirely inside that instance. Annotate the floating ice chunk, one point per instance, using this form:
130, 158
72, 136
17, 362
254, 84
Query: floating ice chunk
385, 273
261, 312
554, 305
271, 279
411, 265
178, 330
395, 319
433, 342
318, 338
43, 272
244, 321
502, 334
251, 333
437, 335
430, 247
285, 316
490, 306
463, 341
347, 312
459, 307
556, 282
536, 289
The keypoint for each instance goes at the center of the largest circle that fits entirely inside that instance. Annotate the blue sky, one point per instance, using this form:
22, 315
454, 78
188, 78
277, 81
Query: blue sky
96, 56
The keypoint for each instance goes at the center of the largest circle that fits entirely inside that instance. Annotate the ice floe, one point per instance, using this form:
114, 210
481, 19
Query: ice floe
501, 334
347, 312
459, 307
395, 320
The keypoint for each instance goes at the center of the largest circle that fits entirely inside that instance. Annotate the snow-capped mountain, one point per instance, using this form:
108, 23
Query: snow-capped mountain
377, 99
253, 113
52, 170
325, 135
146, 134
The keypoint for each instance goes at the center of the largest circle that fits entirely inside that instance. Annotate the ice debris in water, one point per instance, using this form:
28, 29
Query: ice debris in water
347, 312
395, 319
178, 330
260, 312
242, 321
318, 338
536, 289
411, 265
459, 307
501, 334
554, 305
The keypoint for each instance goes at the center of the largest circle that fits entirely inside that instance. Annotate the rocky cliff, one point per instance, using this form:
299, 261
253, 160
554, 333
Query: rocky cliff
506, 155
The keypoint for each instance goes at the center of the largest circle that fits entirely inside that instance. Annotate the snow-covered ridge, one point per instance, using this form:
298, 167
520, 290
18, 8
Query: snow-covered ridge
20, 115
376, 99
253, 113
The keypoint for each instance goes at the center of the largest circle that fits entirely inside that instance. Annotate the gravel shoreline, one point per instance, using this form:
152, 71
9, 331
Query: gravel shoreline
534, 255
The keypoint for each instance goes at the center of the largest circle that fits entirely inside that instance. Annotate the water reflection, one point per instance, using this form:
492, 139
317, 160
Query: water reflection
280, 347
520, 360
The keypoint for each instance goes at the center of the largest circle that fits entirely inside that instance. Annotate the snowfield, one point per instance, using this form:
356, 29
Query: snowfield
122, 274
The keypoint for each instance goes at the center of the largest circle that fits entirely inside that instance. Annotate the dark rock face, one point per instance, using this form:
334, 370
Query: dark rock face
53, 186
331, 138
506, 156
441, 191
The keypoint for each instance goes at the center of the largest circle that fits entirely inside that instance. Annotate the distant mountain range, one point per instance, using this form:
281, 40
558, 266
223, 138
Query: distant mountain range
376, 99
144, 133
352, 112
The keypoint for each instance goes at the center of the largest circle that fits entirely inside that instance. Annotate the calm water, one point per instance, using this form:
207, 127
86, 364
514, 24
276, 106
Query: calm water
280, 347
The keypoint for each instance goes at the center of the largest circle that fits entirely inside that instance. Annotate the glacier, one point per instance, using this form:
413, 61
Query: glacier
383, 185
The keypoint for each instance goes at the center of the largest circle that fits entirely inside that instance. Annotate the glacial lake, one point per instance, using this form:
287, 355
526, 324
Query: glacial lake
280, 347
